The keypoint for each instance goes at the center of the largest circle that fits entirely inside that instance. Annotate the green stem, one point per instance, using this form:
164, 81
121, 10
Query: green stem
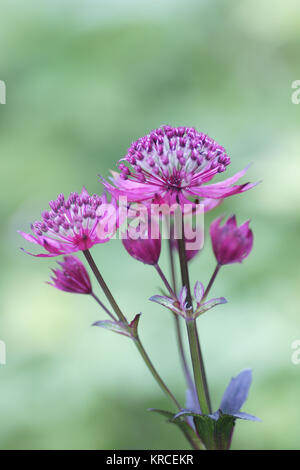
198, 368
122, 318
184, 363
103, 306
212, 280
104, 286
172, 264
194, 343
165, 281
154, 372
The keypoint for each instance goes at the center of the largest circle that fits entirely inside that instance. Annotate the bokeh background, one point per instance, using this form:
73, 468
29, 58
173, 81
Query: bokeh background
84, 79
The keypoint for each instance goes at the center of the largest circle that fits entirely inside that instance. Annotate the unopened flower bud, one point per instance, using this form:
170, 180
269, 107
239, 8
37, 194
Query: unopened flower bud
146, 248
71, 276
231, 244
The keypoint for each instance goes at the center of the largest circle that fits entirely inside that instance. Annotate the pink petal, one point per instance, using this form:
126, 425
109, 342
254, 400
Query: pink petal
30, 238
41, 255
234, 178
84, 192
210, 204
219, 192
232, 221
138, 192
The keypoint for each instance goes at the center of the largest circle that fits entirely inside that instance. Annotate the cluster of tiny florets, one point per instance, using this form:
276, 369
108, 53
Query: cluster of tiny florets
68, 215
174, 156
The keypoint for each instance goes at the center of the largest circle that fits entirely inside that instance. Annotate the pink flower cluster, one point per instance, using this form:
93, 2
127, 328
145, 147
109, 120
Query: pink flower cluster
73, 224
169, 166
174, 167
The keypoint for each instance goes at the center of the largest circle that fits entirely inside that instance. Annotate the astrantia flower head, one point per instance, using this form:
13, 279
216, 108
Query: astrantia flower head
231, 244
71, 276
74, 224
172, 164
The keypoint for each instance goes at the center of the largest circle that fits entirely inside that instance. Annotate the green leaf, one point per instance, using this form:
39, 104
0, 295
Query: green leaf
206, 429
116, 327
202, 308
163, 300
167, 414
215, 434
167, 302
223, 431
187, 430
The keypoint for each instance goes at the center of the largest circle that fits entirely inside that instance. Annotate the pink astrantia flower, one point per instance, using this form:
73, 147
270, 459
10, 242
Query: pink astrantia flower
74, 224
173, 164
231, 244
71, 276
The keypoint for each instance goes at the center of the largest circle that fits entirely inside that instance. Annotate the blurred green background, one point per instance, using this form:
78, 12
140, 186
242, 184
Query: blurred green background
84, 79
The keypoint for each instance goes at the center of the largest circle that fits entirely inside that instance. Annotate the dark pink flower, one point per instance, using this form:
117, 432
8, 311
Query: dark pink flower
145, 248
173, 164
71, 277
231, 244
74, 224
